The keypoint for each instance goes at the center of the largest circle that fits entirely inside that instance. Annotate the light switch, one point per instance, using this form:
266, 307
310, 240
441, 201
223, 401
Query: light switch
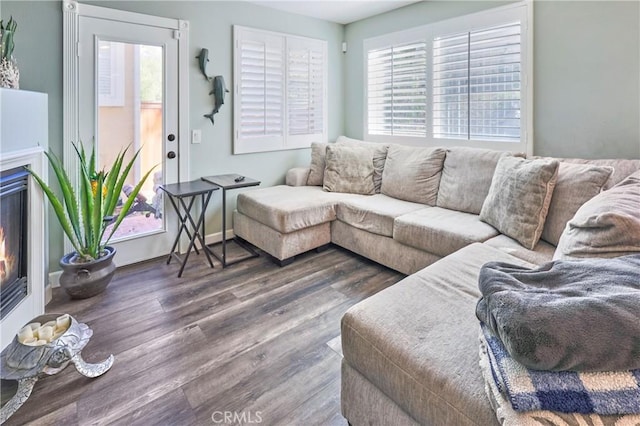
196, 136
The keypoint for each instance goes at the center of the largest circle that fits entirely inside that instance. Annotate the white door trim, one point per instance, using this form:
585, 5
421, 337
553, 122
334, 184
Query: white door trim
72, 10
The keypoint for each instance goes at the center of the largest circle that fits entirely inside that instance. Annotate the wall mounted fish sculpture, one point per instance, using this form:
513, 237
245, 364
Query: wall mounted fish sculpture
203, 58
218, 92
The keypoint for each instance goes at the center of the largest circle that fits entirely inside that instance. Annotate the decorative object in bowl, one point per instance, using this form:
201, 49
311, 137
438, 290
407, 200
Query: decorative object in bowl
45, 346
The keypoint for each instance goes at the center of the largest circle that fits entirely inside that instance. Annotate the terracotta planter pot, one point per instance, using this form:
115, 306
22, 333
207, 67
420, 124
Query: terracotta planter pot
83, 280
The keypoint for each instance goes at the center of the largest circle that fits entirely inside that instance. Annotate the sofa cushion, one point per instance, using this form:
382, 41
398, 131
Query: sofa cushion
621, 167
379, 152
441, 231
374, 214
417, 341
519, 198
576, 184
290, 208
349, 169
608, 225
413, 174
466, 178
316, 169
541, 253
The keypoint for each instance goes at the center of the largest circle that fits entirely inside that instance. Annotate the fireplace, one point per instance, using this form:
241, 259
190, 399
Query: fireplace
14, 185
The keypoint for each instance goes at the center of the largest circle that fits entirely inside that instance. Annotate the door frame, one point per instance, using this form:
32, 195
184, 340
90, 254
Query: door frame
72, 10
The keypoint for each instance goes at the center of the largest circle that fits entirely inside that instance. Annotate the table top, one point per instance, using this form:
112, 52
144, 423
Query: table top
188, 189
228, 181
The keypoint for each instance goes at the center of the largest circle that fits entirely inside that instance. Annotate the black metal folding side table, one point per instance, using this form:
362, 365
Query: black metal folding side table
227, 182
178, 193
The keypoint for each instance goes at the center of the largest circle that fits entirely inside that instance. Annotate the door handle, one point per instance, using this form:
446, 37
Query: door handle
171, 154
171, 137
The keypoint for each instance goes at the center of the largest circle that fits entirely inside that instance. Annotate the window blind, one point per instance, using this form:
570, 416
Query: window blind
305, 88
261, 87
396, 90
477, 84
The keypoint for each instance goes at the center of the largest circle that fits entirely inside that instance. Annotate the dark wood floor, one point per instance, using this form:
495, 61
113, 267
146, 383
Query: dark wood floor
254, 338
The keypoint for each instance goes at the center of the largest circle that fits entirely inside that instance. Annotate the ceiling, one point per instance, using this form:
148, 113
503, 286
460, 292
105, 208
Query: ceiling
340, 11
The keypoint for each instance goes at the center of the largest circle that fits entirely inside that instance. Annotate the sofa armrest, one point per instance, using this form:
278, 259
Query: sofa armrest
297, 176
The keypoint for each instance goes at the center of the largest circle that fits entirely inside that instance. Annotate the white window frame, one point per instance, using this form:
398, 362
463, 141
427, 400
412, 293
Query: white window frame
283, 141
522, 11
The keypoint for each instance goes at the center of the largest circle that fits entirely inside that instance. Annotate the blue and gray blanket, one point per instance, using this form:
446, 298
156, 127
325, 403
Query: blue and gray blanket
605, 393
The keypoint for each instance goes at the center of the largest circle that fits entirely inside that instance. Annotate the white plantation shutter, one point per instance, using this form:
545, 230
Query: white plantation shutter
477, 84
396, 90
306, 60
280, 88
110, 73
259, 106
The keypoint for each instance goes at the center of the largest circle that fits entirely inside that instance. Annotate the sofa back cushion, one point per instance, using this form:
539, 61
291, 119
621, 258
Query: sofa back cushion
349, 169
316, 169
608, 225
379, 152
519, 198
576, 184
466, 178
413, 174
621, 167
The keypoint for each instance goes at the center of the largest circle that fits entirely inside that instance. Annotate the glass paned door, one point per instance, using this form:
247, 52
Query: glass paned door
128, 99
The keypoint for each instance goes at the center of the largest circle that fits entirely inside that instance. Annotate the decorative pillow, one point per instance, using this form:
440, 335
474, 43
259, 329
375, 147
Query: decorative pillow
519, 198
413, 174
379, 152
349, 169
316, 172
466, 178
608, 225
576, 184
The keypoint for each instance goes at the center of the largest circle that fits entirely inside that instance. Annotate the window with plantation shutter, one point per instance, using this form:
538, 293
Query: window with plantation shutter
280, 88
462, 81
396, 90
476, 84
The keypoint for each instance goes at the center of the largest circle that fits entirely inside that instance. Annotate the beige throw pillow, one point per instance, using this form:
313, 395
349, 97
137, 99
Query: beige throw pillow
413, 174
316, 169
379, 152
519, 198
349, 169
608, 225
576, 184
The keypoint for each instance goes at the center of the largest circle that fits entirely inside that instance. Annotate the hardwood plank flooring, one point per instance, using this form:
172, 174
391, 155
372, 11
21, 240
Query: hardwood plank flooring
253, 339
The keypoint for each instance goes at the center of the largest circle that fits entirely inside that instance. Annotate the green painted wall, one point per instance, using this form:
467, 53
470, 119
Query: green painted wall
586, 72
39, 53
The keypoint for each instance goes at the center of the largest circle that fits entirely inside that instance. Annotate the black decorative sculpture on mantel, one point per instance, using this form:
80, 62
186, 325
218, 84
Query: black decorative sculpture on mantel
219, 87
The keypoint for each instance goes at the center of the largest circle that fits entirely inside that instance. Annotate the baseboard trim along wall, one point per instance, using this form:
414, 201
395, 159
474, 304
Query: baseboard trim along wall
54, 277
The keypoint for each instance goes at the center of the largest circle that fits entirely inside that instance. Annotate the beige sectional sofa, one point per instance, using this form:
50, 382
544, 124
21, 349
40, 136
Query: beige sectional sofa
411, 351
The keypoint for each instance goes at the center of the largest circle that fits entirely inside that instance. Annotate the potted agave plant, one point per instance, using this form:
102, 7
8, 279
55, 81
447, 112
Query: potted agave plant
85, 218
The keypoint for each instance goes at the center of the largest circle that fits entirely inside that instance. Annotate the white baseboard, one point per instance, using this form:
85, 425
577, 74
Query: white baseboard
54, 277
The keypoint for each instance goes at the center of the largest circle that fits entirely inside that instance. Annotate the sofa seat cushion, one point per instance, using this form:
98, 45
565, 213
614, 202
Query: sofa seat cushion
541, 253
290, 208
374, 214
441, 231
417, 341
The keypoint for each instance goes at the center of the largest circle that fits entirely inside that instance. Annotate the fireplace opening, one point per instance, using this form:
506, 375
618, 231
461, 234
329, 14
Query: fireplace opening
14, 185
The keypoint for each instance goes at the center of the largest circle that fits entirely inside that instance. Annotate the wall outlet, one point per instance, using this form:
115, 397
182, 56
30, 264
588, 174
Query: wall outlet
196, 136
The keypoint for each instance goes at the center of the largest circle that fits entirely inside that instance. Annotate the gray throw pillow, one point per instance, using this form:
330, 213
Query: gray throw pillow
413, 174
349, 169
466, 178
379, 152
608, 225
519, 198
576, 184
316, 169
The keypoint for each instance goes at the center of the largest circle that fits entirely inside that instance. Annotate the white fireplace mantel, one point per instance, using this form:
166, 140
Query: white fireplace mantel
23, 139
